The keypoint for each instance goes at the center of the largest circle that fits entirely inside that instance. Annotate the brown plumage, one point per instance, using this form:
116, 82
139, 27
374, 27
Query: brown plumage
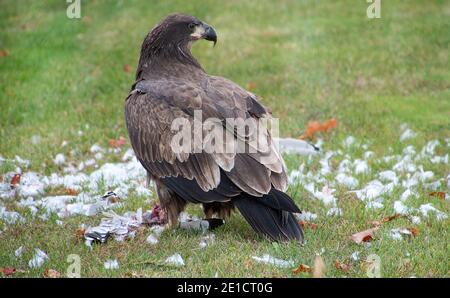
171, 84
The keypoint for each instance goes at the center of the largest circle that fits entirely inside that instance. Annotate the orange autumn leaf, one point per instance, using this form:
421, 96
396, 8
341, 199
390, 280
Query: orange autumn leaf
341, 266
251, 86
15, 180
51, 273
364, 236
117, 143
439, 194
70, 192
315, 126
301, 268
377, 223
4, 53
126, 68
79, 233
414, 231
7, 271
305, 224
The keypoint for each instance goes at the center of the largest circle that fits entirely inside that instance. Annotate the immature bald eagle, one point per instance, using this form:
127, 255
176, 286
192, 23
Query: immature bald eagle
171, 84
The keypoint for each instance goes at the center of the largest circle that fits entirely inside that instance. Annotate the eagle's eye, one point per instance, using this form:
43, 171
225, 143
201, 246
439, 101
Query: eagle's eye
192, 25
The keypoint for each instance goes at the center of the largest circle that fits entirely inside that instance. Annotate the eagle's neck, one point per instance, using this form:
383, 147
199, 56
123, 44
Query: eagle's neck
159, 58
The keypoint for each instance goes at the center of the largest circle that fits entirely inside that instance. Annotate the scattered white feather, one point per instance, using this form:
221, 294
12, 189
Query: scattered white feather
175, 260
346, 180
425, 209
368, 154
59, 159
306, 216
361, 166
374, 205
407, 134
415, 220
111, 264
152, 239
349, 141
18, 252
334, 212
38, 259
355, 256
289, 145
406, 194
96, 148
397, 234
268, 259
388, 176
400, 208
207, 240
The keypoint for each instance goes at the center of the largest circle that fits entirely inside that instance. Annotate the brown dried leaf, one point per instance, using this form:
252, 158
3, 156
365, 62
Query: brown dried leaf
79, 233
301, 268
414, 231
341, 266
363, 236
306, 224
4, 53
377, 223
15, 180
70, 192
438, 194
126, 68
319, 267
51, 273
7, 271
117, 143
251, 86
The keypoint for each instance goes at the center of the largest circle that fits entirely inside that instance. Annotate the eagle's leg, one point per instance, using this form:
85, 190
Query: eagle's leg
220, 209
171, 203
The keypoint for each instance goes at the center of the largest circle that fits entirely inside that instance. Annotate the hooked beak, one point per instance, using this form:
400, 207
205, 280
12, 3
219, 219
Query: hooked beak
206, 32
210, 34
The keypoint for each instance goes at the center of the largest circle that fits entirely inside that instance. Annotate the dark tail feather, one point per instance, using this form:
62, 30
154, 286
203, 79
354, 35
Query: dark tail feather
271, 215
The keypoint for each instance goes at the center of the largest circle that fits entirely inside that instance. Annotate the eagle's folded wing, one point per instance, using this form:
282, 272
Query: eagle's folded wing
150, 110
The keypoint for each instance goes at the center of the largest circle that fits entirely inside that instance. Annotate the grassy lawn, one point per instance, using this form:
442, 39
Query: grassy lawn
66, 79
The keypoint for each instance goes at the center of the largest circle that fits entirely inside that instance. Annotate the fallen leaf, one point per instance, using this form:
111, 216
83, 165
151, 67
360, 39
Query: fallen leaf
117, 143
70, 192
377, 223
315, 126
4, 53
251, 86
126, 68
301, 268
439, 194
414, 231
341, 266
15, 180
79, 233
51, 273
319, 267
306, 224
364, 236
7, 271
389, 218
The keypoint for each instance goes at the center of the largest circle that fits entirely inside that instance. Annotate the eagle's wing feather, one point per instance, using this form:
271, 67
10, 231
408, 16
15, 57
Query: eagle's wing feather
153, 105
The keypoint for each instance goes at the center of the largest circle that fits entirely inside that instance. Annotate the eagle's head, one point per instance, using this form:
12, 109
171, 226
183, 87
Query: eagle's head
171, 40
180, 28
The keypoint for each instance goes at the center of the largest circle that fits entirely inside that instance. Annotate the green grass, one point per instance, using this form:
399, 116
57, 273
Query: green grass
308, 60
